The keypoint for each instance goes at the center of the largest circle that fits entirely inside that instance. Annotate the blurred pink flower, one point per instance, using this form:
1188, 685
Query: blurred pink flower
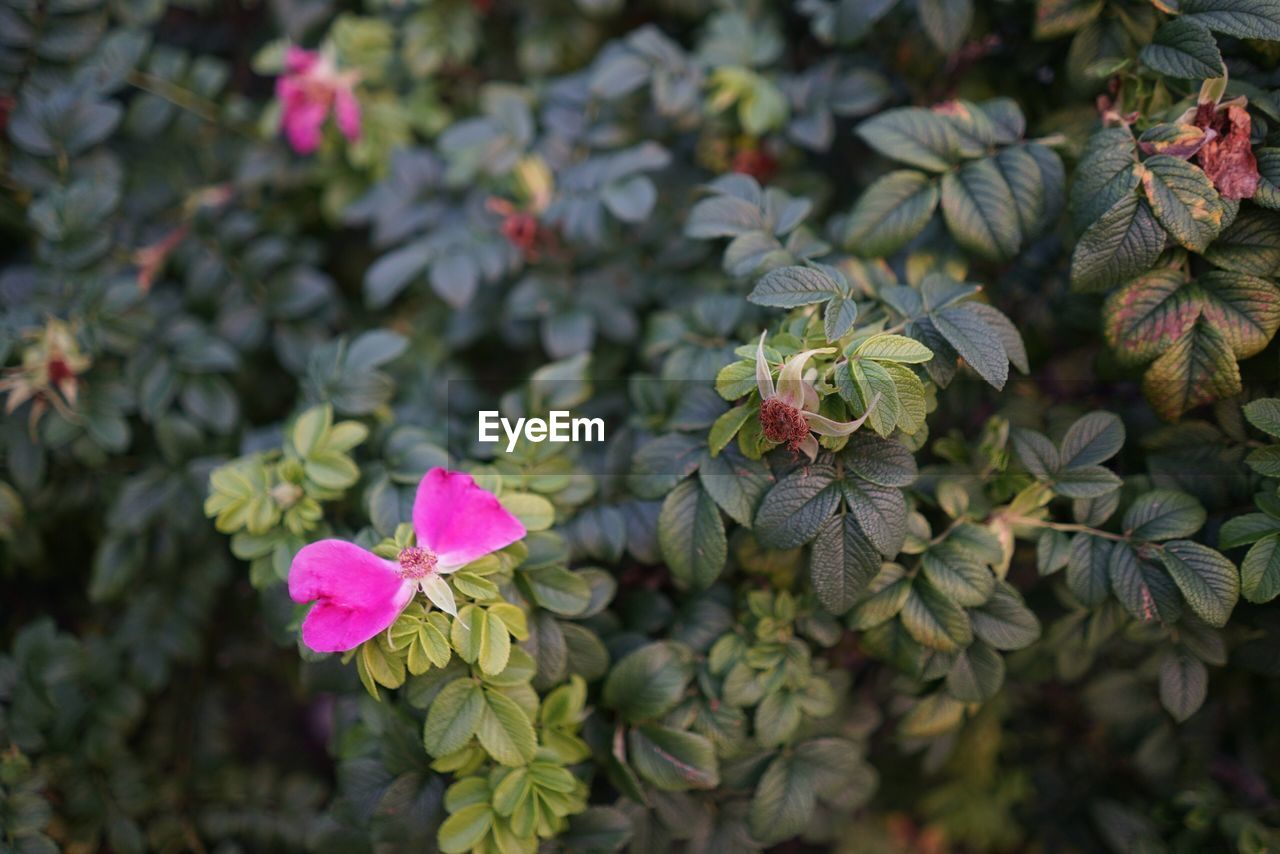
359, 594
310, 87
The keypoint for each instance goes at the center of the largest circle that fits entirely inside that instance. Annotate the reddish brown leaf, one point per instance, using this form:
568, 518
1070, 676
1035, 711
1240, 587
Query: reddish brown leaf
1227, 158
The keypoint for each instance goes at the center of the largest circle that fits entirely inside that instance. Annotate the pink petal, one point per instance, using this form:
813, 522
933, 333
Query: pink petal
357, 593
299, 60
302, 121
458, 520
346, 109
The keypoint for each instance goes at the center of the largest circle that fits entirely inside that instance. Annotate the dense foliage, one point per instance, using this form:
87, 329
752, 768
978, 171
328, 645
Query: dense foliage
938, 506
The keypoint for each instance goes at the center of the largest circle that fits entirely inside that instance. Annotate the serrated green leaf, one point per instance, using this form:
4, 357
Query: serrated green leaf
1260, 570
980, 211
934, 620
1246, 19
889, 213
453, 718
1163, 514
1124, 242
976, 675
691, 535
795, 508
505, 731
1146, 316
841, 563
788, 287
1183, 200
1209, 582
913, 136
673, 760
1184, 684
1183, 48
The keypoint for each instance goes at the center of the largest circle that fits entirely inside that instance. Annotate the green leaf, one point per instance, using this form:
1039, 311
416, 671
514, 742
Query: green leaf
784, 801
1125, 241
1039, 456
1106, 174
648, 682
973, 338
893, 348
913, 136
1092, 439
934, 620
1055, 18
1027, 181
1144, 590
841, 564
1246, 19
723, 216
859, 381
691, 535
311, 429
795, 508
672, 760
886, 594
1209, 582
1251, 244
453, 718
946, 22
1199, 368
931, 717
980, 210
889, 213
1183, 48
495, 645
976, 674
1260, 570
881, 512
735, 483
1005, 621
878, 460
1163, 514
728, 425
557, 589
1087, 569
788, 287
465, 829
1265, 415
1053, 548
963, 581
1184, 684
1244, 308
1245, 529
505, 731
1183, 200
839, 316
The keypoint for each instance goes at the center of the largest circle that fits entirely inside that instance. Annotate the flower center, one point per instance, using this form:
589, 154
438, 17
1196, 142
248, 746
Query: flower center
416, 563
783, 423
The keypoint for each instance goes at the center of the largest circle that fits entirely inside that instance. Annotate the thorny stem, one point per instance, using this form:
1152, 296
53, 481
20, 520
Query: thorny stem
178, 96
1067, 527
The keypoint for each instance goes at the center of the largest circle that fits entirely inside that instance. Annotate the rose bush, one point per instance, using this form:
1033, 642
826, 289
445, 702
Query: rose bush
938, 503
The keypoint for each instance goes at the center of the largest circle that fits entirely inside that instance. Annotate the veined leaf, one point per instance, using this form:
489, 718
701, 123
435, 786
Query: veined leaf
795, 508
1183, 48
1125, 241
1198, 368
1146, 316
1105, 175
980, 211
1209, 582
1183, 199
691, 535
788, 287
914, 136
1260, 570
1244, 309
841, 564
890, 212
934, 620
1184, 683
1246, 19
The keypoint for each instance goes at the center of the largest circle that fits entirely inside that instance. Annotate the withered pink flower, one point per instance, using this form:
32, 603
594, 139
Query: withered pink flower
789, 412
310, 88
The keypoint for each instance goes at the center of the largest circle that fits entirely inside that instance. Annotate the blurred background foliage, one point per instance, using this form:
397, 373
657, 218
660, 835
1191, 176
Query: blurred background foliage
1029, 605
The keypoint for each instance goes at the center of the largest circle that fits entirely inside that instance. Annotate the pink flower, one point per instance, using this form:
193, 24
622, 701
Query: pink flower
359, 594
310, 87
